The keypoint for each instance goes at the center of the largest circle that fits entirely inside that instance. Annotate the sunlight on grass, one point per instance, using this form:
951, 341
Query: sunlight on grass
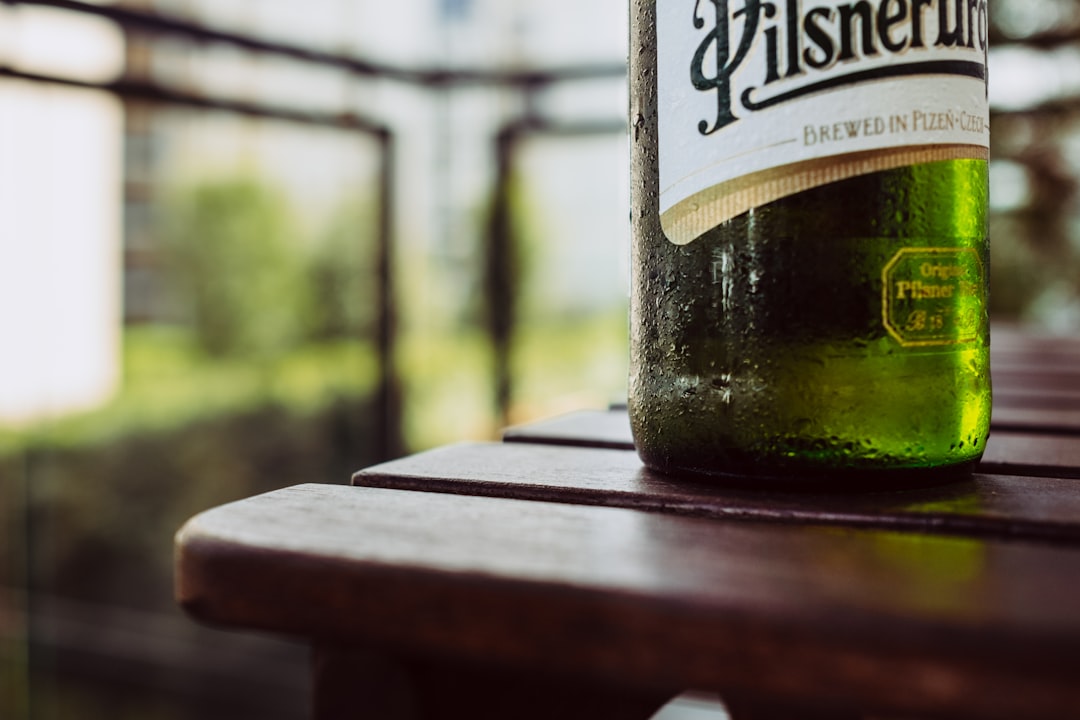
447, 380
579, 363
557, 367
168, 383
448, 390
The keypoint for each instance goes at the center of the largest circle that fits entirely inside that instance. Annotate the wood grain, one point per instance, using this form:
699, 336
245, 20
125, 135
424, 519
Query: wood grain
1035, 420
1032, 453
1032, 508
847, 618
584, 428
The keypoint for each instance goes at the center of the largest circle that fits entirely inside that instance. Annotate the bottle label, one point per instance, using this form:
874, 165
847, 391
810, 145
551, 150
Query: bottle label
761, 99
933, 296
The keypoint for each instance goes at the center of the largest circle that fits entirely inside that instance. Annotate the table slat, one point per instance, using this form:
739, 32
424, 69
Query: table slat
975, 628
1028, 419
1034, 508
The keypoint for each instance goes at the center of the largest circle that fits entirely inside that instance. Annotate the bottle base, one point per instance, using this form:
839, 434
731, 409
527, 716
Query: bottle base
816, 479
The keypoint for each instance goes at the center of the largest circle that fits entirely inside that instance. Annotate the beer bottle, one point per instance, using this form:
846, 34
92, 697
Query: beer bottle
810, 258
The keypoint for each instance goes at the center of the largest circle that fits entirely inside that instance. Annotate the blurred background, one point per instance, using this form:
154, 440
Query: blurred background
249, 244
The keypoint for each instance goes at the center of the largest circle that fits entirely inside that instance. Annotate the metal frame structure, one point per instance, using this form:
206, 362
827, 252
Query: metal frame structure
529, 82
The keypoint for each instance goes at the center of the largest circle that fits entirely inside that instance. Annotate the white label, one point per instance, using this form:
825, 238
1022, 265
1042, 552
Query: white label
762, 99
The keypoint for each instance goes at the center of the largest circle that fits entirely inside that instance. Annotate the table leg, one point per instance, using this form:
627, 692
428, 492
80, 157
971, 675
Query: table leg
351, 683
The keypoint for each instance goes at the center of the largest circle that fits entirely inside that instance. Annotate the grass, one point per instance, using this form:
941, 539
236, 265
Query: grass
557, 366
169, 383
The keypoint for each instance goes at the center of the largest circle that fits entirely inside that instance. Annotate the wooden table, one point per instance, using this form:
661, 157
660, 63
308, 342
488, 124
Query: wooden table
551, 576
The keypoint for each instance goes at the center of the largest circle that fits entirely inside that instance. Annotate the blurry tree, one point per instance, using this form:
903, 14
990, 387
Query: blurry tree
344, 302
238, 269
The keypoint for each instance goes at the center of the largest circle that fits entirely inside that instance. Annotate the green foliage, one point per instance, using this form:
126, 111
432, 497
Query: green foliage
102, 517
238, 269
170, 383
344, 274
105, 490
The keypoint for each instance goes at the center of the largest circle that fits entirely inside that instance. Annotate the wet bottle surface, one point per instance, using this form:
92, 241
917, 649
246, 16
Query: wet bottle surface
839, 332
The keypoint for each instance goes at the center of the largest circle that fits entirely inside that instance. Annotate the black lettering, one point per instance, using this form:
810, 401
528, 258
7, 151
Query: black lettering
772, 63
772, 49
984, 43
955, 36
848, 13
972, 10
886, 21
847, 32
819, 37
726, 63
793, 38
917, 7
982, 25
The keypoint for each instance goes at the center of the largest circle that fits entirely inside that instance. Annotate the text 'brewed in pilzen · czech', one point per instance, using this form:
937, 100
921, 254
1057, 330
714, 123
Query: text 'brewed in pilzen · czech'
916, 120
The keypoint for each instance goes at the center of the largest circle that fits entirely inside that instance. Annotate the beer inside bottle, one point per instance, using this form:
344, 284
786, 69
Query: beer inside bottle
810, 260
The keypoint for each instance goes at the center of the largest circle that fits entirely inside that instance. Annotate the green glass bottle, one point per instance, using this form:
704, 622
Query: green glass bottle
821, 314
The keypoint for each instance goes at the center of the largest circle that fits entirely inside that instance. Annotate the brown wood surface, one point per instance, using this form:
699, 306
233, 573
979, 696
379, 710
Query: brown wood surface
844, 618
1036, 381
1036, 508
1032, 453
1022, 378
584, 428
1035, 420
551, 575
1033, 396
